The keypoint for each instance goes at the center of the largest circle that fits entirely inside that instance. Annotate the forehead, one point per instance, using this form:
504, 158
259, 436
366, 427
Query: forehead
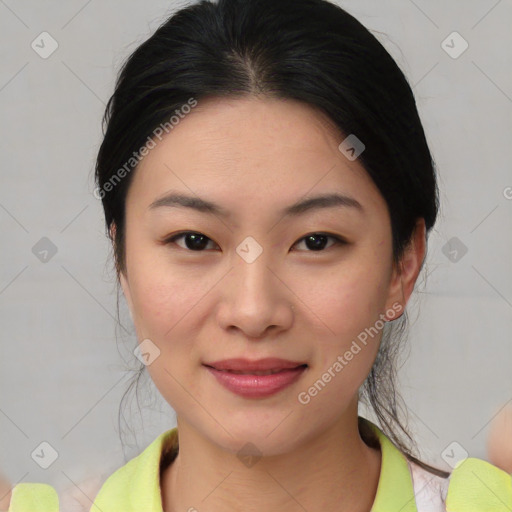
251, 151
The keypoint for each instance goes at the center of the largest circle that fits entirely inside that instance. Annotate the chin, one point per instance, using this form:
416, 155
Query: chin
251, 439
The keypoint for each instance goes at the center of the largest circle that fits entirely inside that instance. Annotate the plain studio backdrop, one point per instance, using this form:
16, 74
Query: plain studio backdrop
62, 370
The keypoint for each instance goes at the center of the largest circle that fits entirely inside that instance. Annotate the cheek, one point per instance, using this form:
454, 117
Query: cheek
342, 303
167, 304
165, 297
346, 308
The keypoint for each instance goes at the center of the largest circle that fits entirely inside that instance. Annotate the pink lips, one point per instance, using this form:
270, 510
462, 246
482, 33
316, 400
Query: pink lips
256, 379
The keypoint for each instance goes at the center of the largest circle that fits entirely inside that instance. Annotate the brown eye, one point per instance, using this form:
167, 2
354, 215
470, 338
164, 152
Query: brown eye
197, 242
316, 242
193, 241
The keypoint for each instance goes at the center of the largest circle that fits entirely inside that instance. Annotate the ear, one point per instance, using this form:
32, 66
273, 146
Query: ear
404, 276
123, 278
112, 230
126, 292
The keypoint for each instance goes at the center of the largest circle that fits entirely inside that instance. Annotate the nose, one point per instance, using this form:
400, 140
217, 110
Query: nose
255, 300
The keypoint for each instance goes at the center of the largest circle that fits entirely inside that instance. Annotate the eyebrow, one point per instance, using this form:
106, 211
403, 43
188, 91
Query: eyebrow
172, 200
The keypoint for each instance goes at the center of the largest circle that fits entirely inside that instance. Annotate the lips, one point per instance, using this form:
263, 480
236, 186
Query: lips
266, 366
254, 372
256, 379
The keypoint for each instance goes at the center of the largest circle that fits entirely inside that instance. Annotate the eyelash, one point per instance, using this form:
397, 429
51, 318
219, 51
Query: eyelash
337, 240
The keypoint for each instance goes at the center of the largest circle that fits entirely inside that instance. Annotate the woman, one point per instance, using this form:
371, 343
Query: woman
268, 190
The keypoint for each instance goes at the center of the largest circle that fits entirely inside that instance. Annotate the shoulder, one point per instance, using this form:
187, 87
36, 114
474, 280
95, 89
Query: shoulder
30, 496
136, 485
476, 485
133, 486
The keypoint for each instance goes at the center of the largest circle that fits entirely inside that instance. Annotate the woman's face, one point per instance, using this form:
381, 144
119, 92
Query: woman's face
255, 287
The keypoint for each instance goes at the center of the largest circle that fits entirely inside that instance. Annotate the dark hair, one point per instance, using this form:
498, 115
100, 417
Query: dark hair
307, 50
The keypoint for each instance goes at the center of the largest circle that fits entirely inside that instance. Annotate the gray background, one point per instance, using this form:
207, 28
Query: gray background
62, 371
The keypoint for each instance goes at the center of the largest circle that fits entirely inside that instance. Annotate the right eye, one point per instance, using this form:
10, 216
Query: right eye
193, 240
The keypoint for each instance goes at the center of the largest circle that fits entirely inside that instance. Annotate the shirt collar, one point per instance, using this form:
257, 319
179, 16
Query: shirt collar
137, 484
395, 490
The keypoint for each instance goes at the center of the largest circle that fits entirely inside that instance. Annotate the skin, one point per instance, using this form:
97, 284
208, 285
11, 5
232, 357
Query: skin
255, 156
5, 493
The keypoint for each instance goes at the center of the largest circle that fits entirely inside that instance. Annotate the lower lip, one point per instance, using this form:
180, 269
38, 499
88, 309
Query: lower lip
257, 386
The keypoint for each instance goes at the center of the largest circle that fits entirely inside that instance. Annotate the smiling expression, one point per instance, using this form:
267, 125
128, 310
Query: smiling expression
261, 180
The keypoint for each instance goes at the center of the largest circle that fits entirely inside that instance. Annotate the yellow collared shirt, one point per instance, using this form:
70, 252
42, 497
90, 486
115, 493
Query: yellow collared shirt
473, 486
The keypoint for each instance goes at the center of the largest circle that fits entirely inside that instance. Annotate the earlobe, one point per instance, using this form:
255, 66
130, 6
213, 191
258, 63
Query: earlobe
404, 277
396, 300
112, 230
122, 278
126, 292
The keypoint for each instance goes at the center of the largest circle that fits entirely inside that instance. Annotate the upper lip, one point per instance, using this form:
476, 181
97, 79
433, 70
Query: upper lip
240, 364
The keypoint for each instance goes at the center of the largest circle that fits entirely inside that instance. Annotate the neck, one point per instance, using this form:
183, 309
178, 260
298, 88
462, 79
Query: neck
334, 471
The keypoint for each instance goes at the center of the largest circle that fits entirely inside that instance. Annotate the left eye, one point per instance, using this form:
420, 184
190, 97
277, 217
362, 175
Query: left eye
317, 241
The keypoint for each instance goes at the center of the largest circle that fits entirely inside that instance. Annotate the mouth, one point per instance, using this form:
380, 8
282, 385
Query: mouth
258, 372
256, 379
267, 366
